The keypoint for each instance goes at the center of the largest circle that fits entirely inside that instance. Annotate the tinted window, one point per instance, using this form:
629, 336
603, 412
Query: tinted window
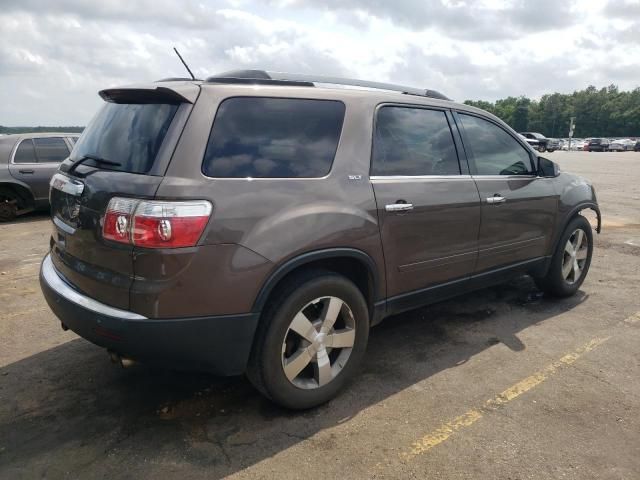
413, 141
25, 153
273, 137
51, 150
495, 152
130, 134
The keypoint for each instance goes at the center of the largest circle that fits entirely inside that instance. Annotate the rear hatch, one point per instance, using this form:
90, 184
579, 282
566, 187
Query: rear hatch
123, 152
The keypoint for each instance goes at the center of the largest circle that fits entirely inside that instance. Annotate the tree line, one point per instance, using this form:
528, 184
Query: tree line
607, 112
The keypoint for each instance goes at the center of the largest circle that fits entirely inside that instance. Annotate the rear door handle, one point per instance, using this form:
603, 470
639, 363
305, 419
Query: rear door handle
496, 199
26, 171
399, 207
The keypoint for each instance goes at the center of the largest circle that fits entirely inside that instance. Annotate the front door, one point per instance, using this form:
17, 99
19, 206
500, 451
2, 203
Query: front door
518, 207
428, 211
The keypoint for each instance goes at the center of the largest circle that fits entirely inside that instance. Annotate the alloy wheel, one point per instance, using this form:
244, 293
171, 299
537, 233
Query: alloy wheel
575, 256
318, 342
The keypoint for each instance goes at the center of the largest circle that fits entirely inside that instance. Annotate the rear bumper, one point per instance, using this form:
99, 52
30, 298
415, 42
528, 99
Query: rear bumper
217, 344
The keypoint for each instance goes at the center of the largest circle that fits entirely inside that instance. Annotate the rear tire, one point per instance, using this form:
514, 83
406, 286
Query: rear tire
8, 208
571, 260
295, 361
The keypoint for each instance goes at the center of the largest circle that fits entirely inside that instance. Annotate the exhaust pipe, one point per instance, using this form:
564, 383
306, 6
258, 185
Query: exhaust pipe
118, 359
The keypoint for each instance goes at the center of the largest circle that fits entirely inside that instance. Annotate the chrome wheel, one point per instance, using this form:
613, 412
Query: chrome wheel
318, 342
575, 256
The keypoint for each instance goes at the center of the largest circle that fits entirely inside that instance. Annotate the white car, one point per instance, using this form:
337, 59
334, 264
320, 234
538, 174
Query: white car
622, 145
576, 144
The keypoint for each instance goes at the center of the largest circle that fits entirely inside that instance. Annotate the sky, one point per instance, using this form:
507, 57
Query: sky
55, 55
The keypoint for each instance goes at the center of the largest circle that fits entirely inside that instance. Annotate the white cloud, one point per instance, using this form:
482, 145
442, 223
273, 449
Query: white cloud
55, 56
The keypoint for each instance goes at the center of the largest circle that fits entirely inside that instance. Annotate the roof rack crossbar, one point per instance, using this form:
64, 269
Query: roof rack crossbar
263, 77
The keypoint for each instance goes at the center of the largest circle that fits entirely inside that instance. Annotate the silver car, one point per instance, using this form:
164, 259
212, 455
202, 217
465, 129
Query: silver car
27, 163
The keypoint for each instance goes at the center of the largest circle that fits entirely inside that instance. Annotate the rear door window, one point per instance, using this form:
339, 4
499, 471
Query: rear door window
51, 150
127, 133
413, 142
25, 152
273, 138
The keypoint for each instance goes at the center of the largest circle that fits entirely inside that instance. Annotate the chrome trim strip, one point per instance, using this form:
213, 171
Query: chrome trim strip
62, 288
420, 177
503, 177
63, 226
66, 185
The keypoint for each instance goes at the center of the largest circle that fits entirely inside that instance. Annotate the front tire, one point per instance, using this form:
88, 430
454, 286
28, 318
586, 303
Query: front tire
310, 340
571, 260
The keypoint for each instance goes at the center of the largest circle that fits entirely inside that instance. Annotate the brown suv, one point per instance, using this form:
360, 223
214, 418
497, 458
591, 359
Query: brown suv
262, 223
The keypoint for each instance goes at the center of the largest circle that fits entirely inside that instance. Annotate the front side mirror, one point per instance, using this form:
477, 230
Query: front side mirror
547, 168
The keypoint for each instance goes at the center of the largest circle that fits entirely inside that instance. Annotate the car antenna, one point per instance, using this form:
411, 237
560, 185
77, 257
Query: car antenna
184, 63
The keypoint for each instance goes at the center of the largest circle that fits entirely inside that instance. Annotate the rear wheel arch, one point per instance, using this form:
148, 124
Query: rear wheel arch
20, 193
354, 264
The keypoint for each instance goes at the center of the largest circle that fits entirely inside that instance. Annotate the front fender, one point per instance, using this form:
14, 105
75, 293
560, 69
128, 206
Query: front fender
575, 194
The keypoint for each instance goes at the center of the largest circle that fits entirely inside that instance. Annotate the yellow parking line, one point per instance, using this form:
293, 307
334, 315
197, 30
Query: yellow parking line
635, 318
446, 430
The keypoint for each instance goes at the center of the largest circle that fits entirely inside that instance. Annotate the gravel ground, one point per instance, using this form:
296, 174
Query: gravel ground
502, 383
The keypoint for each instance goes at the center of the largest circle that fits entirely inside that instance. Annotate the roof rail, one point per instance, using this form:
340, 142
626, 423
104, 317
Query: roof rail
178, 79
263, 77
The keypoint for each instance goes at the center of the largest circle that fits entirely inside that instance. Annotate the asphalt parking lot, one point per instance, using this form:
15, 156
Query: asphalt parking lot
503, 383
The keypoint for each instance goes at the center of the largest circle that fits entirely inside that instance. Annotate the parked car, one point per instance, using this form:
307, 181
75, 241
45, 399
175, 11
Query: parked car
618, 146
636, 147
27, 163
576, 144
628, 144
238, 224
543, 141
598, 145
553, 144
535, 144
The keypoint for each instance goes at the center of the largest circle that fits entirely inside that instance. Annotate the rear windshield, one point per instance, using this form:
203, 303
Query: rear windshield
273, 138
129, 134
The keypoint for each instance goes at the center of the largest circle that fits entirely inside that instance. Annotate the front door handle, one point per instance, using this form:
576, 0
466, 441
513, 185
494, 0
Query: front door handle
26, 171
496, 199
399, 207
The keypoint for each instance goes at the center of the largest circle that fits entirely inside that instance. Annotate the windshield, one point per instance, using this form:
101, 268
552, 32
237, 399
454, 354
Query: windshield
129, 134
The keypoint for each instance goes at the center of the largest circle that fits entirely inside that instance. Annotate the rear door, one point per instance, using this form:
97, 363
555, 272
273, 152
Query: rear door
428, 208
137, 130
518, 207
35, 160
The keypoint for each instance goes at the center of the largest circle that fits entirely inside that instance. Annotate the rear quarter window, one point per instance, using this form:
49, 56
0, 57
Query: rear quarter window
273, 138
25, 153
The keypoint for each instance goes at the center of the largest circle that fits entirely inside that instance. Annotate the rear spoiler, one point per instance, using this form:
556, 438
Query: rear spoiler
181, 93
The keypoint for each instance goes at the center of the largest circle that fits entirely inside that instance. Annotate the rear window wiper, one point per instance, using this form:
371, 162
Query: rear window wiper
96, 159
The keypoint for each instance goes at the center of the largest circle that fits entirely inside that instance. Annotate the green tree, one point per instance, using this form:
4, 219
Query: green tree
606, 112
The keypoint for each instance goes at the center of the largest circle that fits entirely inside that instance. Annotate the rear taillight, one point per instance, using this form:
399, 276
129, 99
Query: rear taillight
155, 224
117, 220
